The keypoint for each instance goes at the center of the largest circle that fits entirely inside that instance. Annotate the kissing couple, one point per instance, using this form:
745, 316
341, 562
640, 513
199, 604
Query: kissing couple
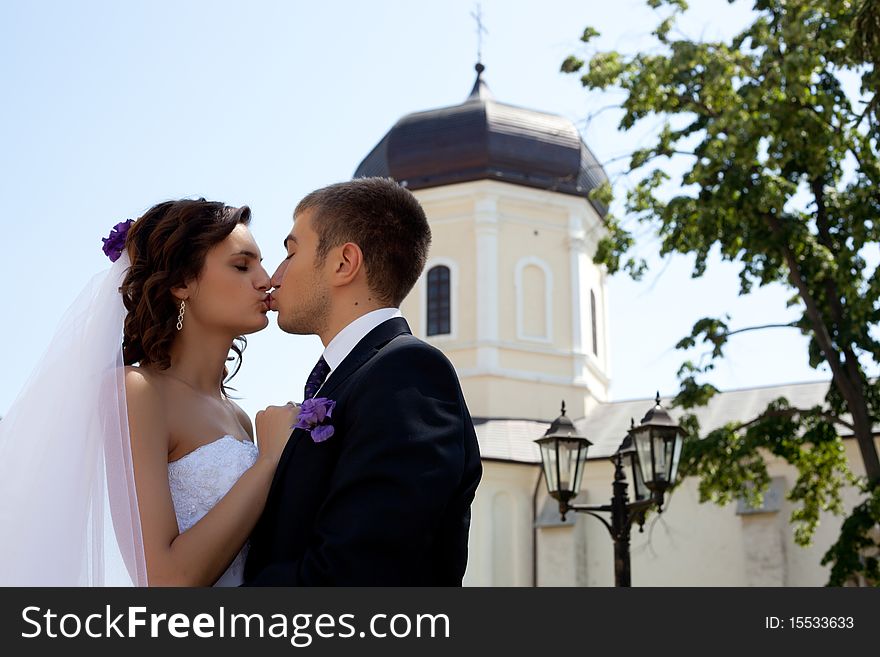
124, 461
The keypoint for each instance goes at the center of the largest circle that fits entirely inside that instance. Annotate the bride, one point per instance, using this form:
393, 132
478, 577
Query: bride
124, 461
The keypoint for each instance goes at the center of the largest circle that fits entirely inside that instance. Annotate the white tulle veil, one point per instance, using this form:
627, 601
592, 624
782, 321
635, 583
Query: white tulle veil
68, 507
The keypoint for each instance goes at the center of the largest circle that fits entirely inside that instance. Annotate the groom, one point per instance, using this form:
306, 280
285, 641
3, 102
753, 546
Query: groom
378, 492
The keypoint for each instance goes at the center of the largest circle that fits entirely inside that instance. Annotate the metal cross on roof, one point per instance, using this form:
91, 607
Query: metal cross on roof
481, 30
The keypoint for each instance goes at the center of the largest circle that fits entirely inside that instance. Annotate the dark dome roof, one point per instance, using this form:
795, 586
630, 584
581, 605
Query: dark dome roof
484, 139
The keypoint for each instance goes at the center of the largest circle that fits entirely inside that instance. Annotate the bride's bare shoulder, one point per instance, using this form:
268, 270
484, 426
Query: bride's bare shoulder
146, 415
141, 387
138, 377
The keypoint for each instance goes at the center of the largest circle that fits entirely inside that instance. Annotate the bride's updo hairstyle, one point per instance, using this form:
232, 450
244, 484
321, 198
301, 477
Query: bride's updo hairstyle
167, 248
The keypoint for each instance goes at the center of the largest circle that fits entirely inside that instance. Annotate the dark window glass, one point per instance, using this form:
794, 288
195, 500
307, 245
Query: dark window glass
439, 302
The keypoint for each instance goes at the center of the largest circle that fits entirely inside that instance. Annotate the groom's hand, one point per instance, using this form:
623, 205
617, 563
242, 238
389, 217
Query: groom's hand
274, 426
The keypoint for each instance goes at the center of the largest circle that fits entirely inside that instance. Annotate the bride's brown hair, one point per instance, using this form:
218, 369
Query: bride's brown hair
167, 248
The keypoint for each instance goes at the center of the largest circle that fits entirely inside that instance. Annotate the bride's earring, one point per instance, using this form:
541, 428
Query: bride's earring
180, 314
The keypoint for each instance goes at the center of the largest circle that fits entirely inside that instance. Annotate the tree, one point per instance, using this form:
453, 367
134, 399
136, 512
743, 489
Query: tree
782, 175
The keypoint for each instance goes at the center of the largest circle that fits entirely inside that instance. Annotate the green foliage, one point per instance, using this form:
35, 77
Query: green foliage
856, 555
764, 121
866, 41
589, 34
730, 460
571, 64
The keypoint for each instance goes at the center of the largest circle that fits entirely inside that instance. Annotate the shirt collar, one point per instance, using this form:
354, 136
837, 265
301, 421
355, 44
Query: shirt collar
346, 340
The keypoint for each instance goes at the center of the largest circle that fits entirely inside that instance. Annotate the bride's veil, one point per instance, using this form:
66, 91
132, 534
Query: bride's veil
68, 507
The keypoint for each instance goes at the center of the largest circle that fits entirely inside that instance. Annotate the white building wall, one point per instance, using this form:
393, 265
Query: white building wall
488, 232
689, 544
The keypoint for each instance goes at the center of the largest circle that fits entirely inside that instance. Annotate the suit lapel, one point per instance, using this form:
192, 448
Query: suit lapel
363, 351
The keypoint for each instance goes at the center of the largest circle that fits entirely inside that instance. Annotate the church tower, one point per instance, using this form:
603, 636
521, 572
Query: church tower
510, 293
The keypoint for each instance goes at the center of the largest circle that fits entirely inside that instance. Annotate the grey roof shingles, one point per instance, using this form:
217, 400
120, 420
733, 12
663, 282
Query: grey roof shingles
513, 439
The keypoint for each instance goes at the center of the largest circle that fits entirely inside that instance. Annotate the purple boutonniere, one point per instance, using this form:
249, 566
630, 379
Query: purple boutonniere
114, 243
314, 417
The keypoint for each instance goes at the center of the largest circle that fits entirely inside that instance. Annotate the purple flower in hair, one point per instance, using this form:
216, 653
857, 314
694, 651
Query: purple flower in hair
314, 417
114, 243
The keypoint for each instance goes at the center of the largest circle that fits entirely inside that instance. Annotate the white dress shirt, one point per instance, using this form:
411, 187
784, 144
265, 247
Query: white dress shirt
346, 340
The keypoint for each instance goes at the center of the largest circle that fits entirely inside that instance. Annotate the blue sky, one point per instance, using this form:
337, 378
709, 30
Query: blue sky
110, 107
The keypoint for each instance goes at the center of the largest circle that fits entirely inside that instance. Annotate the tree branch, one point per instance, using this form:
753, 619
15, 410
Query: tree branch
758, 328
870, 106
789, 412
863, 428
687, 100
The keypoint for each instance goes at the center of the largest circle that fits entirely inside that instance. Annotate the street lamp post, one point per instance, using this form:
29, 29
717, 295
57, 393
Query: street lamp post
653, 447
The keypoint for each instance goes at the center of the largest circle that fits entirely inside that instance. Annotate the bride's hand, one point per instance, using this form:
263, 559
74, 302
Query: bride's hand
274, 426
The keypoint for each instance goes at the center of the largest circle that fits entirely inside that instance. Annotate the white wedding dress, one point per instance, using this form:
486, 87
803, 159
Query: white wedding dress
68, 502
201, 478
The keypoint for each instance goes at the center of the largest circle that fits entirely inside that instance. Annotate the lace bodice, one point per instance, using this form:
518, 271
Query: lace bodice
201, 478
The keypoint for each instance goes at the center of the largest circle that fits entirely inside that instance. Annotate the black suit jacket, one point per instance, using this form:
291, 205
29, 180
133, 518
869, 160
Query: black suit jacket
386, 500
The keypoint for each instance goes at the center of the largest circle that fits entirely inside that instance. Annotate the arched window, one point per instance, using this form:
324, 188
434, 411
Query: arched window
534, 292
439, 301
534, 306
595, 322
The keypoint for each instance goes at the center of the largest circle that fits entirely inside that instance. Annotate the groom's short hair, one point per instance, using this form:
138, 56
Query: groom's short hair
384, 219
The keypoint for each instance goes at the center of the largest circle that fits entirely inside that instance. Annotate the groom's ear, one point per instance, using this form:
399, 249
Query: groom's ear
348, 263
